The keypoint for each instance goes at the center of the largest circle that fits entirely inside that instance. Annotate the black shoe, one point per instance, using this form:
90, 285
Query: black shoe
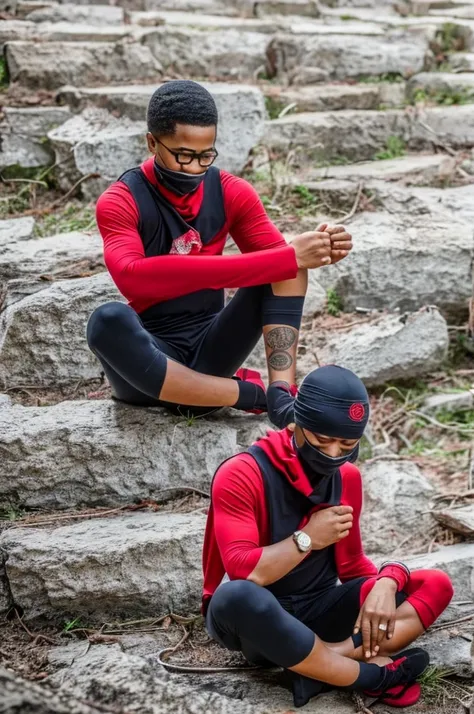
305, 688
406, 667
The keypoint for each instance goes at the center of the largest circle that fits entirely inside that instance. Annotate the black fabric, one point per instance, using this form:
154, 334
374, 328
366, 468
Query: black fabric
287, 508
281, 309
133, 355
180, 321
280, 404
332, 401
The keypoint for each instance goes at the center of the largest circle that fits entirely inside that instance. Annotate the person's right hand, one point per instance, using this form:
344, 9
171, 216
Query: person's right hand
313, 249
329, 526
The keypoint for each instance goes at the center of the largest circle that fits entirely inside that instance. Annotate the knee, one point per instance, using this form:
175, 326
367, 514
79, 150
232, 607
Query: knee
241, 599
104, 321
439, 584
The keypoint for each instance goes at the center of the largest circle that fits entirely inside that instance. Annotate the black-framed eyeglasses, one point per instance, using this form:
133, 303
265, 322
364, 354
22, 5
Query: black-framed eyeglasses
184, 158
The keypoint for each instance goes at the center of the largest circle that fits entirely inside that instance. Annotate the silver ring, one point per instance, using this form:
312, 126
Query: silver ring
383, 628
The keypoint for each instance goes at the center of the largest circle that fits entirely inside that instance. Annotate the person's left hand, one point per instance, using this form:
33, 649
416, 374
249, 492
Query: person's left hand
378, 609
341, 243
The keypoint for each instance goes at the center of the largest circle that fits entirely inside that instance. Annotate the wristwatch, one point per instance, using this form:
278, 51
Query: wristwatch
303, 541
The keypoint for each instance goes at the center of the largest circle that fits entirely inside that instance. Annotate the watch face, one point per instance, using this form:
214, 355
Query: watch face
304, 540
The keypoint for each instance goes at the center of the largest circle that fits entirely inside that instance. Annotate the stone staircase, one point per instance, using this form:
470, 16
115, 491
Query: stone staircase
343, 100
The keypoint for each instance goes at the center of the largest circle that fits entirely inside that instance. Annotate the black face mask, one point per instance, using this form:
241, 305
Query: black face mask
320, 463
179, 182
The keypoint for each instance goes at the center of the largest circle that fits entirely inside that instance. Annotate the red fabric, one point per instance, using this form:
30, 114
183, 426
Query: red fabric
429, 592
266, 257
237, 526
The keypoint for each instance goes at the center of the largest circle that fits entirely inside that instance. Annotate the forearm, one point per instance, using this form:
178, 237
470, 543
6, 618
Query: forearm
169, 276
276, 561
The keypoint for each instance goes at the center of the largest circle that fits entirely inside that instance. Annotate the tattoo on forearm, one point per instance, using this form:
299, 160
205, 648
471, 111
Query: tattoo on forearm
280, 360
281, 338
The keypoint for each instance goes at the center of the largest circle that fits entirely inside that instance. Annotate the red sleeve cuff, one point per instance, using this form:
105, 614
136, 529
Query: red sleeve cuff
396, 572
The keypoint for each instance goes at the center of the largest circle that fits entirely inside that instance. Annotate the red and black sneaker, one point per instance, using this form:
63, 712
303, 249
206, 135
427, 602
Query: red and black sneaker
398, 687
251, 375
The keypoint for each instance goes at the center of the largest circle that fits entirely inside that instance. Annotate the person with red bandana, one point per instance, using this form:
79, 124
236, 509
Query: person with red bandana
164, 227
286, 580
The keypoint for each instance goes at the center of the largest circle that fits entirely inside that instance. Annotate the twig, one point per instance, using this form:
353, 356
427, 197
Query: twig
446, 625
287, 109
435, 422
37, 637
354, 208
47, 209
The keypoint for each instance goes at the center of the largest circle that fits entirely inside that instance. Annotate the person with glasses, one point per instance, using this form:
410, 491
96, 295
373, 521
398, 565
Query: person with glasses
164, 226
286, 580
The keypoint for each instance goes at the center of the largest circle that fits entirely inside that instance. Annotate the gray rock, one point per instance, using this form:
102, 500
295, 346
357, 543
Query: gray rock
11, 30
456, 560
392, 349
17, 289
16, 229
211, 7
140, 564
396, 495
5, 597
391, 258
238, 55
85, 32
35, 65
389, 348
361, 135
8, 6
103, 670
449, 650
105, 675
308, 8
323, 136
42, 337
24, 132
106, 145
104, 453
347, 55
93, 14
415, 169
48, 256
436, 84
330, 97
19, 695
462, 61
202, 21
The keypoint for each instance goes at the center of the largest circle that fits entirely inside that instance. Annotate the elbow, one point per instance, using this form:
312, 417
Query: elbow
258, 579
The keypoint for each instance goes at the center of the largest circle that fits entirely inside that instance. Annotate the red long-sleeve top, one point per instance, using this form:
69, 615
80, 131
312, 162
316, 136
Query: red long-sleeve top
237, 527
144, 281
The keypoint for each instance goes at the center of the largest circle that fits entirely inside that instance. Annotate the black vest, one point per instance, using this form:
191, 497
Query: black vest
159, 225
286, 508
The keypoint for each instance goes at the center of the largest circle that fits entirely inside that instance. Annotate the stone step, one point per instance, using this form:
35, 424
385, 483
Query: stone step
442, 87
35, 65
462, 61
109, 673
105, 453
306, 8
91, 14
105, 568
108, 146
42, 336
154, 18
42, 258
303, 58
361, 135
380, 349
16, 30
394, 252
116, 671
24, 135
16, 229
335, 97
413, 169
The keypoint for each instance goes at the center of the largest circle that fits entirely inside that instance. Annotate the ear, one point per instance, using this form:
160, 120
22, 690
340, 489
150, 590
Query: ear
151, 142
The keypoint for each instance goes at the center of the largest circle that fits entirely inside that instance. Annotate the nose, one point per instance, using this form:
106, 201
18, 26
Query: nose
333, 450
194, 167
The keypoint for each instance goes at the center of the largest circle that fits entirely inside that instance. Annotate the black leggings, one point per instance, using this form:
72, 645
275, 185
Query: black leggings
134, 359
248, 618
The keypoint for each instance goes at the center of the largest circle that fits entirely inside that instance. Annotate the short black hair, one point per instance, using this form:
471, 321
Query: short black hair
180, 102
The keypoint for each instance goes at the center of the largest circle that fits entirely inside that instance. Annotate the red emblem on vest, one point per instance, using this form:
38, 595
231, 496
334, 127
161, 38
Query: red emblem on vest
357, 412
